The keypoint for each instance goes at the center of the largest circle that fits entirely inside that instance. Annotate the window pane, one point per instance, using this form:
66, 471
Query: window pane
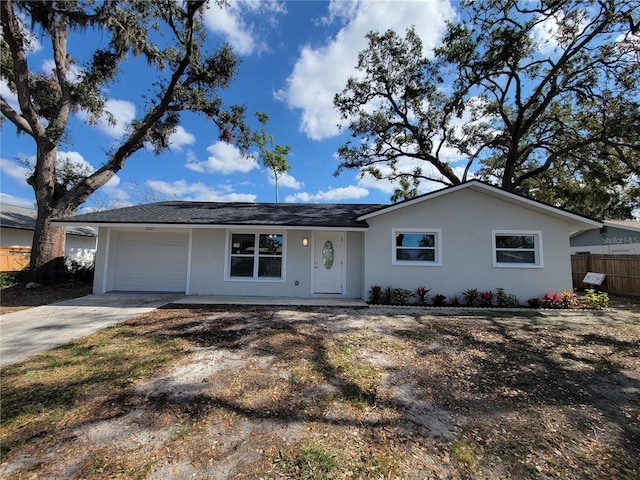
515, 256
270, 244
270, 267
242, 243
416, 254
515, 241
415, 240
242, 266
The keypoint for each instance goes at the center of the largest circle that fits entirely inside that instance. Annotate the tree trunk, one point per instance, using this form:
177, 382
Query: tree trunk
47, 250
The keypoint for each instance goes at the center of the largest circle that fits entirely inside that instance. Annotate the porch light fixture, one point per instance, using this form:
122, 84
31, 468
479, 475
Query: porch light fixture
305, 241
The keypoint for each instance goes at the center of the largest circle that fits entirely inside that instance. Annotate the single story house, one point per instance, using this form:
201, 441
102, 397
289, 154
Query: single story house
16, 238
615, 237
471, 235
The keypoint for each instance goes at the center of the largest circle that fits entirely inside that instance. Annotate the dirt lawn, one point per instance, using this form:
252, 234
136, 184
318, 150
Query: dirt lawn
280, 392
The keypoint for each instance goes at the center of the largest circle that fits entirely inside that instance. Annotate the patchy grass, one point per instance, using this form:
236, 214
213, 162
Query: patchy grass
240, 392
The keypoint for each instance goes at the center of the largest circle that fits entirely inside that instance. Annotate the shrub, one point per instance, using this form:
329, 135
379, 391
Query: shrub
422, 293
7, 279
597, 300
387, 295
401, 295
569, 300
552, 300
454, 300
535, 302
486, 299
471, 297
375, 294
438, 300
79, 272
505, 300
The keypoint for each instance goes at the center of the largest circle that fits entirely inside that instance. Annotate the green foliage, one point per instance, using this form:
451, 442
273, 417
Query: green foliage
169, 35
557, 120
471, 298
504, 300
375, 294
439, 300
387, 295
401, 295
7, 279
309, 460
274, 157
406, 191
596, 300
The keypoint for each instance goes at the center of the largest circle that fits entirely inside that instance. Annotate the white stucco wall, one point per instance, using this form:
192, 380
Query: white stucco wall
209, 257
466, 220
209, 254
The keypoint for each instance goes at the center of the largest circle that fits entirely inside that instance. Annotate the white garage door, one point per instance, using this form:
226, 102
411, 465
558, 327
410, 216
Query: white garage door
151, 262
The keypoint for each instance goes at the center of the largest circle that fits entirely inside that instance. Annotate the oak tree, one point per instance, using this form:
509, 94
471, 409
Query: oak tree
513, 91
168, 34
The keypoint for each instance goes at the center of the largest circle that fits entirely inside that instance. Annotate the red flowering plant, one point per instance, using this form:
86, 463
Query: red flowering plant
422, 293
486, 298
552, 300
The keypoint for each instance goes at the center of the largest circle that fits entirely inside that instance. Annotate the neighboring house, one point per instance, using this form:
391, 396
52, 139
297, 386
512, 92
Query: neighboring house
468, 236
16, 237
614, 237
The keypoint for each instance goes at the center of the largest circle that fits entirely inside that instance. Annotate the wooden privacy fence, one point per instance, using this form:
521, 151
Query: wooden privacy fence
13, 259
622, 272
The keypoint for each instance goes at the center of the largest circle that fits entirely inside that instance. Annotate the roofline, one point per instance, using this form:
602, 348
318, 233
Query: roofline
608, 223
238, 226
489, 188
69, 225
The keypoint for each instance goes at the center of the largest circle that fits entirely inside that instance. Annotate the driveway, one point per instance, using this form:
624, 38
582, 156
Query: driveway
35, 330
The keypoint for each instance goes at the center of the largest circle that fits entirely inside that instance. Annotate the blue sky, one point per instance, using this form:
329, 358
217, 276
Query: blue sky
296, 55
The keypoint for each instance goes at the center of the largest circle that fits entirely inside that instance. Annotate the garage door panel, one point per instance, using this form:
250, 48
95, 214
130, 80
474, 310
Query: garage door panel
151, 261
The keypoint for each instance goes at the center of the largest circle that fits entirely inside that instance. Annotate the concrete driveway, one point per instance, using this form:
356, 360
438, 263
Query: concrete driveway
35, 330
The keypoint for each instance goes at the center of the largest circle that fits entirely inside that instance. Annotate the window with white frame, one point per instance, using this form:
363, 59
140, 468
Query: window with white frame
417, 247
256, 256
517, 248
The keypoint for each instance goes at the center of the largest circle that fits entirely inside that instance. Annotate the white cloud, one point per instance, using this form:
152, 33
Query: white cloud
10, 97
331, 195
233, 22
123, 111
13, 170
286, 180
179, 138
7, 199
73, 75
181, 189
408, 166
546, 34
321, 72
224, 158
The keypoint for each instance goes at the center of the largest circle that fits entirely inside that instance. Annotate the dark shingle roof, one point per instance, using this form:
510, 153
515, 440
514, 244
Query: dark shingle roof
22, 218
216, 213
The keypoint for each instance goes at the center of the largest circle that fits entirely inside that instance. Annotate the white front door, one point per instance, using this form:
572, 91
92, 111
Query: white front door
328, 259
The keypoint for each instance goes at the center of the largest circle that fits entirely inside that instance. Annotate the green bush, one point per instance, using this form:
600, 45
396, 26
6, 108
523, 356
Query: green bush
596, 300
438, 300
375, 294
471, 297
7, 279
401, 295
